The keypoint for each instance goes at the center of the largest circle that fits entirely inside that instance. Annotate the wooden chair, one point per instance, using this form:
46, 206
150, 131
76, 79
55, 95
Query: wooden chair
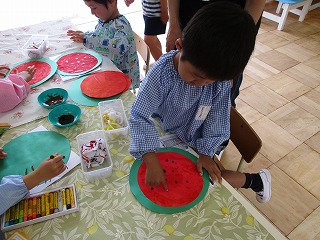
143, 50
287, 6
243, 137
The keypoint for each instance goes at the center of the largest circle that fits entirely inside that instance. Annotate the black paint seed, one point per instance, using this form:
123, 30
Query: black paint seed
164, 171
172, 170
176, 182
187, 181
151, 188
66, 119
167, 160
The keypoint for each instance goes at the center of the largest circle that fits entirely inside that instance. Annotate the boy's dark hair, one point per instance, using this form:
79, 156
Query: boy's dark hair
219, 40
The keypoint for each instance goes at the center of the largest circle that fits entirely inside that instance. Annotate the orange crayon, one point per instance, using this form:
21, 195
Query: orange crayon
34, 207
30, 209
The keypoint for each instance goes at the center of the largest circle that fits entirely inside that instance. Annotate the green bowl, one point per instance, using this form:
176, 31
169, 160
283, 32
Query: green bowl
64, 115
53, 97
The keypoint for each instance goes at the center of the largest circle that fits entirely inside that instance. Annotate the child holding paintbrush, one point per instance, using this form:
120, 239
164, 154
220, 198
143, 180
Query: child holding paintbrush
14, 188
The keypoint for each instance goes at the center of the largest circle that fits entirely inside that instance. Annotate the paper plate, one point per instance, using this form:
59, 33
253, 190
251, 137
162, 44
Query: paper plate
29, 150
78, 62
77, 96
105, 84
186, 187
45, 68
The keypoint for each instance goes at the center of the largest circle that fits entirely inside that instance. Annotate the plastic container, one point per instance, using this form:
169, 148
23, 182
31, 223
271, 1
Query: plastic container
105, 169
36, 46
115, 110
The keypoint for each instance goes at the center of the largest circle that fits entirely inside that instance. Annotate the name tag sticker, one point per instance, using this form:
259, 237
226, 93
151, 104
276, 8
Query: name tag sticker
202, 112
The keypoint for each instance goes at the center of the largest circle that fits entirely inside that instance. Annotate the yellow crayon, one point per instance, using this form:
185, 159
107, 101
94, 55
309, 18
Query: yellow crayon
72, 197
43, 205
34, 207
63, 194
51, 202
68, 203
25, 212
30, 209
55, 202
47, 200
38, 206
12, 215
21, 203
17, 213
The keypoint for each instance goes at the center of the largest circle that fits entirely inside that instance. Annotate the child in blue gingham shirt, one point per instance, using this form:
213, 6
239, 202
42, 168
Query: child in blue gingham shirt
188, 91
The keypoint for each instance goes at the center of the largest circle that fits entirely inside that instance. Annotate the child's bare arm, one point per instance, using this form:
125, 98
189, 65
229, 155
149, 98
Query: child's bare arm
2, 154
164, 11
28, 74
154, 172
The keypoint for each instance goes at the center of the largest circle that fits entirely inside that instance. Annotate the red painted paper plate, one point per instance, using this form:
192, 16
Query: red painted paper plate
78, 62
186, 187
45, 68
105, 84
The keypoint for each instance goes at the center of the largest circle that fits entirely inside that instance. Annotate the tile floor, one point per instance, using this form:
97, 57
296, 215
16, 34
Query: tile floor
280, 98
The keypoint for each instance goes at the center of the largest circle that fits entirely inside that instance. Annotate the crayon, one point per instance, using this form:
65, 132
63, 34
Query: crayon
30, 209
63, 194
51, 202
55, 202
25, 212
34, 207
12, 216
68, 203
7, 218
39, 207
43, 205
17, 213
47, 204
21, 203
72, 197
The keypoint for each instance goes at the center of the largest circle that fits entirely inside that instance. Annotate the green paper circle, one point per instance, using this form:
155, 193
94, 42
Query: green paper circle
77, 96
52, 64
134, 186
96, 55
30, 150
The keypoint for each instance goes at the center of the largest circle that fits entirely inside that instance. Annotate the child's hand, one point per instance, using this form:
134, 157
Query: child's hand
4, 70
209, 164
2, 154
154, 172
76, 36
27, 75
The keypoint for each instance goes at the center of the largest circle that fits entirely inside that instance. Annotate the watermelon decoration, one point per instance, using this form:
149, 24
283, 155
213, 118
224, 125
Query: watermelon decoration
186, 186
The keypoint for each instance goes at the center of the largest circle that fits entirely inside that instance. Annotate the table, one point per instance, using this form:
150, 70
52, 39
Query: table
108, 209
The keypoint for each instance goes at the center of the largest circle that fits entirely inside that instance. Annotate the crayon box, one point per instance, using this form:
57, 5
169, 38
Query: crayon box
40, 207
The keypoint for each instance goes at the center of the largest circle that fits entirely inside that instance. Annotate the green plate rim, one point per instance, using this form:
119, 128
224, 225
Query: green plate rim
133, 182
95, 54
52, 64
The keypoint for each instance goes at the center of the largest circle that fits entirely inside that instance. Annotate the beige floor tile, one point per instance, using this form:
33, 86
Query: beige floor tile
261, 48
296, 52
302, 29
277, 60
314, 142
310, 44
259, 70
318, 88
303, 166
296, 121
262, 98
308, 229
286, 86
276, 142
247, 81
314, 62
290, 203
304, 74
249, 113
272, 40
310, 102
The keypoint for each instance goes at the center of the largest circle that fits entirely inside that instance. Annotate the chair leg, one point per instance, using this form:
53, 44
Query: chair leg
279, 7
305, 10
284, 15
240, 164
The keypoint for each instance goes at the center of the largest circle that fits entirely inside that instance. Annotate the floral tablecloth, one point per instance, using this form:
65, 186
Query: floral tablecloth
107, 208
